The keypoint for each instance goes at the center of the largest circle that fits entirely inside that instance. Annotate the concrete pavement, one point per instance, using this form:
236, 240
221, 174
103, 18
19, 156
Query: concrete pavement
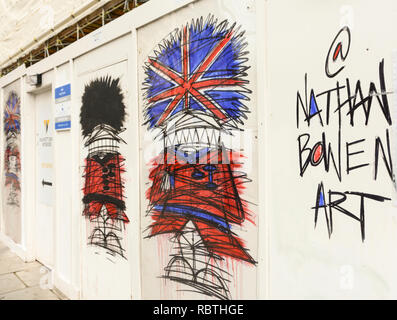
21, 281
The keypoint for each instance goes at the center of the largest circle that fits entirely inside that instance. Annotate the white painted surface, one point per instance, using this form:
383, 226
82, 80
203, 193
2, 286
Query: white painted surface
97, 263
65, 261
44, 177
303, 261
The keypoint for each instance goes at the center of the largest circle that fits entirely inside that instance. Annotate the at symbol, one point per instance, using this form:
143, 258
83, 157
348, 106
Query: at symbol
338, 50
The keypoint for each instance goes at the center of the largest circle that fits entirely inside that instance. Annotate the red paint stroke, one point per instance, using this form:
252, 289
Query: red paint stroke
104, 187
11, 177
337, 50
210, 209
318, 153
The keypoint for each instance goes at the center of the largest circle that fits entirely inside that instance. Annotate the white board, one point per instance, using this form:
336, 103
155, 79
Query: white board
352, 254
186, 243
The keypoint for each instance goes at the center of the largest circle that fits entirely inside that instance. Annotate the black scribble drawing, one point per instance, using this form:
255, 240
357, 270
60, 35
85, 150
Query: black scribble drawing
102, 116
195, 89
12, 159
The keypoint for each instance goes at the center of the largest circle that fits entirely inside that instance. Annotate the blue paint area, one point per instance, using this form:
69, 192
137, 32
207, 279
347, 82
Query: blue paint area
313, 105
209, 167
12, 175
14, 126
172, 181
198, 175
161, 84
12, 114
63, 125
194, 212
321, 200
190, 157
62, 91
203, 38
226, 65
231, 101
179, 107
193, 104
157, 110
171, 55
202, 42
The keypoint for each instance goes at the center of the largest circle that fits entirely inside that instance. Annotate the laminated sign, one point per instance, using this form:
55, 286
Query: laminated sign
62, 107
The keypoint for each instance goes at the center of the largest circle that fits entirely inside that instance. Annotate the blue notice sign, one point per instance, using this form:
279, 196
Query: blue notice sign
62, 93
63, 125
63, 107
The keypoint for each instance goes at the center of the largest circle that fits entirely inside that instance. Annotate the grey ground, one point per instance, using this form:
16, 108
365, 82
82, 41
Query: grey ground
21, 281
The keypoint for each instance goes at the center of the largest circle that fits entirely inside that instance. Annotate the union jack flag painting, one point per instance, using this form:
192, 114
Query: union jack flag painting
200, 68
12, 114
195, 87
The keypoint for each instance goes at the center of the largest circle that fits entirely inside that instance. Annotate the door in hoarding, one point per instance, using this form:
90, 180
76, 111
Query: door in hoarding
44, 179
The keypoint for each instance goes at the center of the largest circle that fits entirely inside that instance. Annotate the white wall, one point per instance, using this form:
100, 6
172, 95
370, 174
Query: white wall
63, 160
304, 261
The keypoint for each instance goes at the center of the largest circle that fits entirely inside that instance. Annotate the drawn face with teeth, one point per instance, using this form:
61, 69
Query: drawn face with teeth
192, 131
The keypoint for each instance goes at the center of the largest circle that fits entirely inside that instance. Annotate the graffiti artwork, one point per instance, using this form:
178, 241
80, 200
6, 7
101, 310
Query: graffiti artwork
195, 91
344, 105
102, 116
12, 160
